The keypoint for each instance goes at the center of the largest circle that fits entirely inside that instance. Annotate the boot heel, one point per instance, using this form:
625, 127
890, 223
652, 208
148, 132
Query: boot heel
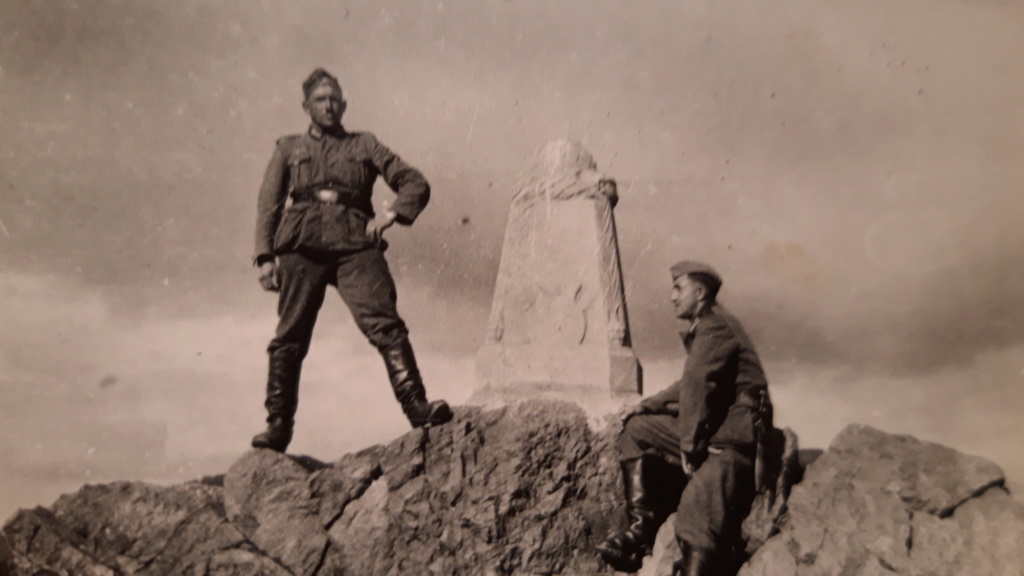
276, 437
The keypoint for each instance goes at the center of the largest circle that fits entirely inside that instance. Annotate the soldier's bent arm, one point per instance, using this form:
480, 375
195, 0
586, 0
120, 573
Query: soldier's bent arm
664, 402
410, 185
710, 365
270, 205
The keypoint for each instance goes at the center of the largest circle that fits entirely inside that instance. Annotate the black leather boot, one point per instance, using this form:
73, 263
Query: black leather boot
408, 387
695, 562
276, 437
625, 551
282, 401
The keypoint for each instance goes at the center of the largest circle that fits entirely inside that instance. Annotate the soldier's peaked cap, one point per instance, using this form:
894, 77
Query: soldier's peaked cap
703, 272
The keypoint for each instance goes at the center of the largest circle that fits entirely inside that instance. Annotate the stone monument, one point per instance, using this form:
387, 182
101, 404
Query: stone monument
558, 326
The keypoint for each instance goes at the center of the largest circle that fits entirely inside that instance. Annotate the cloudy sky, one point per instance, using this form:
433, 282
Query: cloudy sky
855, 171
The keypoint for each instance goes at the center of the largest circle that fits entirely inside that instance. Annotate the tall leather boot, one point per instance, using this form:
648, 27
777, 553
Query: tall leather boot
282, 401
625, 551
695, 562
408, 387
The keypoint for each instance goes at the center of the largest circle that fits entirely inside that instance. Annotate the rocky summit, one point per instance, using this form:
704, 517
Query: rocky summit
877, 504
525, 489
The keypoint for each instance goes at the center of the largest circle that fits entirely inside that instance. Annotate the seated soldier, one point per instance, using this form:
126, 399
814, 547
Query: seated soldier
694, 444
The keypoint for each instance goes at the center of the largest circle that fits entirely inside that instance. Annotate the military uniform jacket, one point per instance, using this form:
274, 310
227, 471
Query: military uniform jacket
723, 394
346, 162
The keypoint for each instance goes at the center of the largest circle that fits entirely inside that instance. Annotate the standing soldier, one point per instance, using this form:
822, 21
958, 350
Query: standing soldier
316, 227
695, 443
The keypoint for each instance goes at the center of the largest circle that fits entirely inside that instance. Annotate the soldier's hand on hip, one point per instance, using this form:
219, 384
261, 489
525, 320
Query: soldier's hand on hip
268, 276
376, 227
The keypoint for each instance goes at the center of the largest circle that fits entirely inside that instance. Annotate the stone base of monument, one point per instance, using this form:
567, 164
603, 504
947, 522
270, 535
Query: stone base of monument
580, 375
600, 406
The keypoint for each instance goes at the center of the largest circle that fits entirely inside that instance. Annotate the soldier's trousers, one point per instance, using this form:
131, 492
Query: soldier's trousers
364, 282
716, 499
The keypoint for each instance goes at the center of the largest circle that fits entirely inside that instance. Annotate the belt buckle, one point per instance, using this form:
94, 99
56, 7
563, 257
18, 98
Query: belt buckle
327, 196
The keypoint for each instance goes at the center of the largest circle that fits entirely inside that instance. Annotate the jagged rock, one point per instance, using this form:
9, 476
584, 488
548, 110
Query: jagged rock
237, 562
520, 490
984, 535
346, 480
525, 489
39, 542
6, 556
876, 503
269, 497
135, 529
202, 535
126, 525
507, 491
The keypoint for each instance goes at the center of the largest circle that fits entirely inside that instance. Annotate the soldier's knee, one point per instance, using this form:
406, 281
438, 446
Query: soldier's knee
384, 335
629, 427
637, 427
627, 442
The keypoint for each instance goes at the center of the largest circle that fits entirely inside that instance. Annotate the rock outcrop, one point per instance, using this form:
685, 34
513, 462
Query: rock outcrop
521, 490
524, 489
877, 504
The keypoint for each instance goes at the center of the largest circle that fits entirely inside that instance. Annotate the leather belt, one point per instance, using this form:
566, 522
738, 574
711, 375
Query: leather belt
325, 196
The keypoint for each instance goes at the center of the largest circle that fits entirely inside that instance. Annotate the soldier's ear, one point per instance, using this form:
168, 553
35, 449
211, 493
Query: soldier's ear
700, 291
344, 106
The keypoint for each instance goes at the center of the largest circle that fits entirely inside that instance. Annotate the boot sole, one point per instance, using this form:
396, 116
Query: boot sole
438, 415
262, 446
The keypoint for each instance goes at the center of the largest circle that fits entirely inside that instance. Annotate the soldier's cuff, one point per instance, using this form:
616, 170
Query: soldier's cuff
404, 219
260, 259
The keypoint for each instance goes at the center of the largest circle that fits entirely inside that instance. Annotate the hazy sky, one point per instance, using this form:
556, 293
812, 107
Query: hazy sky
854, 170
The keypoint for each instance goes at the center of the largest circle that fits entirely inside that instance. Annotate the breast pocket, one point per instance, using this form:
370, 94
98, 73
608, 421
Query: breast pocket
354, 171
300, 168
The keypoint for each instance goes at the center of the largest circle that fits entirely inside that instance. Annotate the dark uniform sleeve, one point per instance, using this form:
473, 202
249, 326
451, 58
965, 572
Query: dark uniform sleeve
710, 364
410, 185
270, 204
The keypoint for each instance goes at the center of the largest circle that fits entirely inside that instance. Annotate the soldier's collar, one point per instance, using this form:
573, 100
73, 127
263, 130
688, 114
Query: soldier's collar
317, 132
703, 310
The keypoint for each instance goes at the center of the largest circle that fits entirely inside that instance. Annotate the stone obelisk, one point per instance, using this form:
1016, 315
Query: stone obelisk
558, 326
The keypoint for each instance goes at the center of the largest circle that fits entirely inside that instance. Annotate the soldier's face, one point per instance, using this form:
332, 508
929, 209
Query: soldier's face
325, 105
686, 294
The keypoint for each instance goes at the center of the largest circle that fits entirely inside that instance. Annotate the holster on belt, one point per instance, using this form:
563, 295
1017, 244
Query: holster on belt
762, 425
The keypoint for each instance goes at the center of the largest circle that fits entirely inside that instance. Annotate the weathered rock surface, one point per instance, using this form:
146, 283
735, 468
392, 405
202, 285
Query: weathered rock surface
877, 504
526, 489
522, 490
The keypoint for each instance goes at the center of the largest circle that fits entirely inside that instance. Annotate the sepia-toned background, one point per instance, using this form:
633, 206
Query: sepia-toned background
854, 170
